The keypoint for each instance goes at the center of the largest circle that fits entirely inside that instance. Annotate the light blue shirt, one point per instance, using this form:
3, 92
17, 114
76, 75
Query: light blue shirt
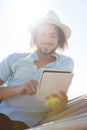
18, 69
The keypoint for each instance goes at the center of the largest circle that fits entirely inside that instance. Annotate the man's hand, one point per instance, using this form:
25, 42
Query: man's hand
57, 103
28, 88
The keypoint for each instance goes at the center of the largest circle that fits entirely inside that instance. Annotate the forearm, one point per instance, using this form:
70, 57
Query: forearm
6, 92
27, 88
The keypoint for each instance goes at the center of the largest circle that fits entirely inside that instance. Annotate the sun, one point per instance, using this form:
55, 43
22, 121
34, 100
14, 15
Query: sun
34, 10
17, 16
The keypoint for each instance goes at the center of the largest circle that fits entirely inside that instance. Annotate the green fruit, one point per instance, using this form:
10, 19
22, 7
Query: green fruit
52, 102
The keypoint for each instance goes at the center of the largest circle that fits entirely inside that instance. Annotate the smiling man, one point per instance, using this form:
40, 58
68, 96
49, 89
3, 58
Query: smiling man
20, 74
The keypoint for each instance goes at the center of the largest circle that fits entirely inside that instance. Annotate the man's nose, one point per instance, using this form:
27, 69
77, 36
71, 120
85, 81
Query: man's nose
47, 39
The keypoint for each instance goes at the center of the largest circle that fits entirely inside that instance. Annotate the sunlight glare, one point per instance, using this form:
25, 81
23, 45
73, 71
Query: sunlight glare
17, 16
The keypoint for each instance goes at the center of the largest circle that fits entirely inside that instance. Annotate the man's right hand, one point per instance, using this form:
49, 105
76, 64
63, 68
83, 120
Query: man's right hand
28, 88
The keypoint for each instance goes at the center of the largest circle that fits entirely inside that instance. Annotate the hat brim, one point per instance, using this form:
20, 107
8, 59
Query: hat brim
65, 29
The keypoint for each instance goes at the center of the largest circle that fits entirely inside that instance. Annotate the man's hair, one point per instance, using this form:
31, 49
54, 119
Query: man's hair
62, 43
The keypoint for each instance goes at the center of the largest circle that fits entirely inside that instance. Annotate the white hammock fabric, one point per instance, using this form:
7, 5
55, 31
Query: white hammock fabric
73, 118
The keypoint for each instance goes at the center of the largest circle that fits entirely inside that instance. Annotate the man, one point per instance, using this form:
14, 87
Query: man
20, 74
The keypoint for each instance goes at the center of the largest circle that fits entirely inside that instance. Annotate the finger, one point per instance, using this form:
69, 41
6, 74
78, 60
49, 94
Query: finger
32, 86
35, 83
64, 96
54, 95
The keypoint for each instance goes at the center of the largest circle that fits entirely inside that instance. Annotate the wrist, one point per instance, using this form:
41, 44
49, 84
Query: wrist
20, 90
16, 90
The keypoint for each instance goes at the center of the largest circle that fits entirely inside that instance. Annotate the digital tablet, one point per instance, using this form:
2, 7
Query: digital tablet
53, 81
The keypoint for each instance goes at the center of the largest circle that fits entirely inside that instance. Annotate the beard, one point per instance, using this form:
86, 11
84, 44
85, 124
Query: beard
46, 51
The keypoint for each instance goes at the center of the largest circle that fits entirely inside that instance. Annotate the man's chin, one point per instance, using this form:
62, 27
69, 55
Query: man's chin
46, 52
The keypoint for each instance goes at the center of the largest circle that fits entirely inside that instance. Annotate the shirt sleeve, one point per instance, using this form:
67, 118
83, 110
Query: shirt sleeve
6, 65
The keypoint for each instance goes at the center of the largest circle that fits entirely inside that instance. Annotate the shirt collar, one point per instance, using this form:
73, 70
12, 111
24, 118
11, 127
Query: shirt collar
34, 56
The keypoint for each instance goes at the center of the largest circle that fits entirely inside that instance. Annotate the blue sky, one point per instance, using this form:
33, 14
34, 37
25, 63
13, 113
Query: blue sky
17, 15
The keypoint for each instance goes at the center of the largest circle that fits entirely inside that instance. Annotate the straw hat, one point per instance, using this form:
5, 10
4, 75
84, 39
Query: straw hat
52, 18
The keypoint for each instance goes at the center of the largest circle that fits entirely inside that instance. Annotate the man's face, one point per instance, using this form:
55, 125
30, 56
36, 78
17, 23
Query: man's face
47, 39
